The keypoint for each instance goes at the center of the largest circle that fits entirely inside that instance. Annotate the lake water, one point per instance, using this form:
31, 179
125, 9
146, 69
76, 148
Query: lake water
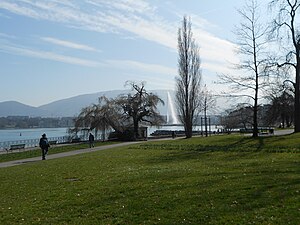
36, 133
175, 128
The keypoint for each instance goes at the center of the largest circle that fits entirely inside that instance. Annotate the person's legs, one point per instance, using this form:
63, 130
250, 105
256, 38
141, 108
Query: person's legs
43, 154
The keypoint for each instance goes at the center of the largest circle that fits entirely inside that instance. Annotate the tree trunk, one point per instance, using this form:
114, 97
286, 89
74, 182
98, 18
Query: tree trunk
205, 118
282, 121
255, 108
297, 94
189, 130
135, 129
255, 125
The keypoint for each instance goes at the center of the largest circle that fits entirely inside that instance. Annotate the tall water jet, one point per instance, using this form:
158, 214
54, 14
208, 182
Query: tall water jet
171, 114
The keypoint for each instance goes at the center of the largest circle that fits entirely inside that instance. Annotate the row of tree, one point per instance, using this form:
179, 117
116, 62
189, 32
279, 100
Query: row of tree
125, 113
280, 114
263, 72
266, 73
34, 122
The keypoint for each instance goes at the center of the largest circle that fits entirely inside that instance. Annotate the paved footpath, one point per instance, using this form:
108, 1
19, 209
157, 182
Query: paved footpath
87, 150
63, 154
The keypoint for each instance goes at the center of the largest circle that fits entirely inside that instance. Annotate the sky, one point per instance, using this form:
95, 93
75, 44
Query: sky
56, 49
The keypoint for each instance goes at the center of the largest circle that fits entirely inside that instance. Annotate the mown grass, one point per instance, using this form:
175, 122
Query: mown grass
238, 180
286, 143
23, 154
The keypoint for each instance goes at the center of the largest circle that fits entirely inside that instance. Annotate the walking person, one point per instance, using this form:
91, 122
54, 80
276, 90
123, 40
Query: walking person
44, 145
173, 134
91, 140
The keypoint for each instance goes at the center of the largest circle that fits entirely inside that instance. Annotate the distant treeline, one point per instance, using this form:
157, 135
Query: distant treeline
35, 122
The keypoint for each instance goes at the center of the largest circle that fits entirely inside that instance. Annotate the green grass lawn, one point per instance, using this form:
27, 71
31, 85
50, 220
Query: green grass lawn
216, 180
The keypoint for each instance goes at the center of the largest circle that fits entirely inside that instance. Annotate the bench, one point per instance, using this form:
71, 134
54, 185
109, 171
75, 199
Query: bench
18, 146
75, 140
53, 142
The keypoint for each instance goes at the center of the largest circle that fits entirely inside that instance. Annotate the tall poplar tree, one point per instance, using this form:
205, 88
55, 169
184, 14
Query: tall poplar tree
188, 89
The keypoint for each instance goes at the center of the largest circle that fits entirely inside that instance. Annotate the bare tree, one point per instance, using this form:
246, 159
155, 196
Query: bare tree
251, 35
141, 106
188, 81
286, 27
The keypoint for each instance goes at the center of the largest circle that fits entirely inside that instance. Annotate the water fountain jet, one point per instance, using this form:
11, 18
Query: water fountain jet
171, 113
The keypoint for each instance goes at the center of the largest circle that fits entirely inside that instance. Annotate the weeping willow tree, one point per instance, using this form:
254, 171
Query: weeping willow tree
95, 117
123, 113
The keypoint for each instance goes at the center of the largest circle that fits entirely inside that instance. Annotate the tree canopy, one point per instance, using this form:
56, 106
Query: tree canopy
123, 114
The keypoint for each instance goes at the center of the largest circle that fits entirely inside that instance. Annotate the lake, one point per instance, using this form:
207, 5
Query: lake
34, 133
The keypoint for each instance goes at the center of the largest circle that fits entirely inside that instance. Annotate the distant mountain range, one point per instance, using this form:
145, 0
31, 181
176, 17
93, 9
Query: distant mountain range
13, 108
70, 106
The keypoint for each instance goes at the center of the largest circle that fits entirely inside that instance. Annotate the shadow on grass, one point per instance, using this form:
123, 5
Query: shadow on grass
241, 145
248, 184
248, 144
184, 149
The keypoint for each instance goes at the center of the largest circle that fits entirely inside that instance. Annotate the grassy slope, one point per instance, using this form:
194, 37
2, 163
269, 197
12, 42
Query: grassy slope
216, 180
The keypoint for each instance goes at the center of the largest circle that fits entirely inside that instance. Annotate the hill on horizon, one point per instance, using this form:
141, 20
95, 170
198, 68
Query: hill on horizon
14, 108
69, 107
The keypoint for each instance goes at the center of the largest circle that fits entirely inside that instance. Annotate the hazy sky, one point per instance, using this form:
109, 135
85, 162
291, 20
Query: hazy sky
54, 49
